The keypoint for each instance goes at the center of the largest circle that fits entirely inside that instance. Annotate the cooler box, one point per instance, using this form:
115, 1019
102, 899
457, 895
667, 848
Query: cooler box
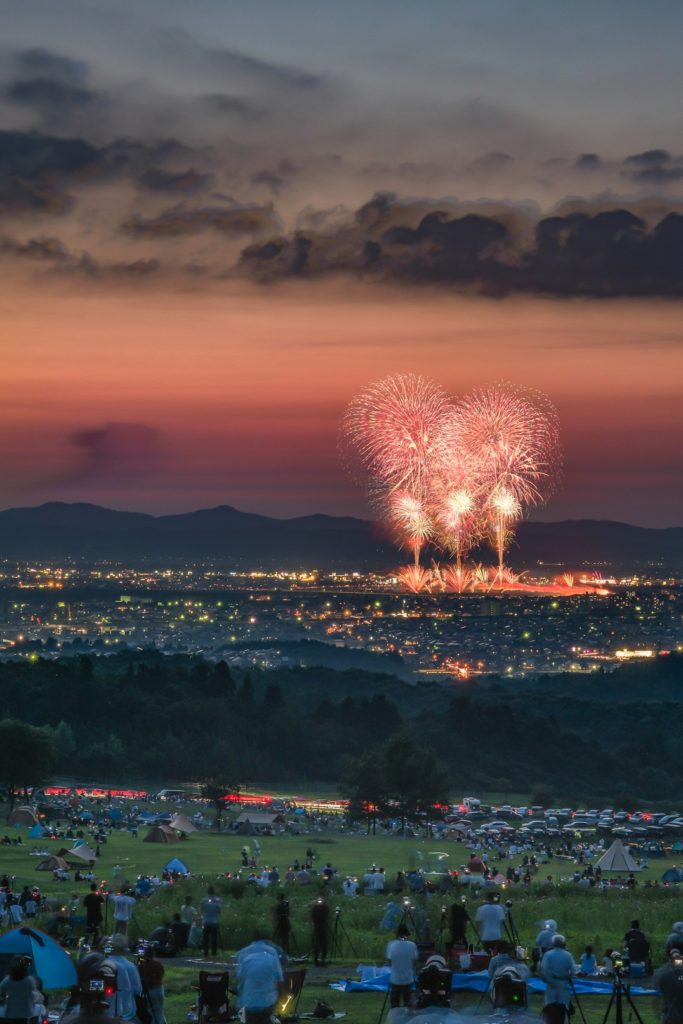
479, 961
636, 971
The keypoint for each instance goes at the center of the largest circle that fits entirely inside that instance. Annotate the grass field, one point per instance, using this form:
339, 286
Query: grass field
586, 917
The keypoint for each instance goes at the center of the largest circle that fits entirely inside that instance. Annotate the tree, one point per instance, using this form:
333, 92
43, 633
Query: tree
363, 784
416, 779
216, 790
27, 757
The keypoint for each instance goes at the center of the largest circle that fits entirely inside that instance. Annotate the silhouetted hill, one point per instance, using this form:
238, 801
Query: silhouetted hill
233, 538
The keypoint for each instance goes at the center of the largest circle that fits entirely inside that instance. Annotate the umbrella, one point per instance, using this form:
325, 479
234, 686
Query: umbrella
51, 963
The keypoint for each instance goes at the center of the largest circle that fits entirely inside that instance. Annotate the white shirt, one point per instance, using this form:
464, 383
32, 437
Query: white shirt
17, 913
490, 917
123, 907
128, 985
378, 882
402, 955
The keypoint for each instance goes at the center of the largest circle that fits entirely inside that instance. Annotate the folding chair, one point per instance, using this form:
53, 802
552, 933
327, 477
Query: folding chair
291, 993
213, 1003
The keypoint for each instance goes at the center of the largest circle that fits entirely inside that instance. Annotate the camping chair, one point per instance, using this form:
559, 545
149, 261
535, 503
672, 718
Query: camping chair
291, 993
213, 1003
434, 984
509, 991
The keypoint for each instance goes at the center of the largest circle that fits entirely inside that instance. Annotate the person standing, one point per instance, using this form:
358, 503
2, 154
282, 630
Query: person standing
152, 977
18, 992
259, 981
402, 955
637, 944
490, 917
123, 911
211, 915
669, 984
558, 970
188, 916
282, 929
93, 913
320, 920
128, 981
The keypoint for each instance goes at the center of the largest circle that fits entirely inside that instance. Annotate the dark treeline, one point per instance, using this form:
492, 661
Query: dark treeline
149, 717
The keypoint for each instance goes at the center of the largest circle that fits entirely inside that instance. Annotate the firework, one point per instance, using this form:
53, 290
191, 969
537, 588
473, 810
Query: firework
394, 425
511, 435
415, 578
453, 474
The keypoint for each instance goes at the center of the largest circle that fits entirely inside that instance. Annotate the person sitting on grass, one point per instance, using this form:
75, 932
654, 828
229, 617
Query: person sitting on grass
588, 963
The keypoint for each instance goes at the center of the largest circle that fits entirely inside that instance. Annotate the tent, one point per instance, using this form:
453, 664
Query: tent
37, 832
52, 863
83, 852
673, 876
160, 834
51, 963
181, 823
176, 864
617, 858
23, 816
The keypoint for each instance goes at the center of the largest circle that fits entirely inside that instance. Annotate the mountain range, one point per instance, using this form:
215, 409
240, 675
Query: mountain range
231, 538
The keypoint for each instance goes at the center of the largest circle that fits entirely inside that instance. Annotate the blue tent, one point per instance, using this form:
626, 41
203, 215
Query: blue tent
672, 875
176, 864
52, 964
36, 832
115, 813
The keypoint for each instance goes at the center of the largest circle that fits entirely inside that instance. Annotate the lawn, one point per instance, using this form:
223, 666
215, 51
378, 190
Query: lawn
586, 917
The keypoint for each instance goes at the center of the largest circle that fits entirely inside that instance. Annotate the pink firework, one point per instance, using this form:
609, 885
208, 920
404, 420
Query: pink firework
511, 435
393, 425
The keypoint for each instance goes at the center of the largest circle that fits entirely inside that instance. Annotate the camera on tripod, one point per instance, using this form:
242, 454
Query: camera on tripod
621, 964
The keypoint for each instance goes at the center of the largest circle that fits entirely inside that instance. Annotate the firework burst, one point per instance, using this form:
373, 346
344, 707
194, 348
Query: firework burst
452, 474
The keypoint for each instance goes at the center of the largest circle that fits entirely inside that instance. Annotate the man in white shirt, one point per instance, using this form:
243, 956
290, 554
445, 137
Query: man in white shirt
490, 919
16, 913
378, 880
402, 955
123, 911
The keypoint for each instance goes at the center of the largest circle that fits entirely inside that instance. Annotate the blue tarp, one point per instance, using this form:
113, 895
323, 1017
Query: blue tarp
176, 864
36, 832
52, 964
478, 981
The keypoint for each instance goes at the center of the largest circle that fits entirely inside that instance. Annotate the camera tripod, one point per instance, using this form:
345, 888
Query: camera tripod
338, 933
510, 927
620, 990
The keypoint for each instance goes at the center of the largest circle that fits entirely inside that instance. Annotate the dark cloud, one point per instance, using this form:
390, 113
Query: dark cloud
42, 62
281, 76
36, 170
276, 179
602, 253
648, 158
234, 220
189, 182
118, 450
41, 249
49, 95
588, 162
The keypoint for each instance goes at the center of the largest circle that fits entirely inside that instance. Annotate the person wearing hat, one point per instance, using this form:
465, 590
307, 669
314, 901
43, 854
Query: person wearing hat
544, 940
558, 970
675, 939
402, 955
128, 981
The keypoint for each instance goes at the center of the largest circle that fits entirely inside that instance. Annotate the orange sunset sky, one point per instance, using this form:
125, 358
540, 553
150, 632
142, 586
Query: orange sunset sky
168, 400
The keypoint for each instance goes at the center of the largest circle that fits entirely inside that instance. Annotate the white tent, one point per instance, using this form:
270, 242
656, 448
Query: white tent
181, 823
82, 852
617, 858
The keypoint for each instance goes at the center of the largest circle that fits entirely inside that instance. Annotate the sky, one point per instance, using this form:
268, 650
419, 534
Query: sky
219, 221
